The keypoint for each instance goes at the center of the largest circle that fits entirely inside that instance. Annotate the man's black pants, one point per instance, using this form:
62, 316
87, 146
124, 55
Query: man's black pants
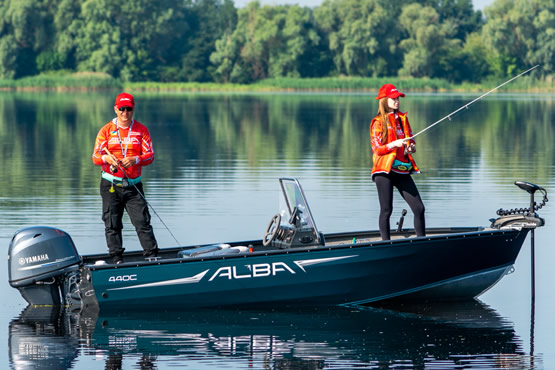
130, 200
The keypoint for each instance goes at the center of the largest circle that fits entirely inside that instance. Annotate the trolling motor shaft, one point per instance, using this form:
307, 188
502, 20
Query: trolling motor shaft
531, 189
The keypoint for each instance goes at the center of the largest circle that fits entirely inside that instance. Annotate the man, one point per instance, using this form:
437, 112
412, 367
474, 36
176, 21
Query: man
123, 146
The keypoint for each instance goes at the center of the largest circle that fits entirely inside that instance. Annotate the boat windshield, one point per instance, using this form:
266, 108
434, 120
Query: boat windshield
293, 200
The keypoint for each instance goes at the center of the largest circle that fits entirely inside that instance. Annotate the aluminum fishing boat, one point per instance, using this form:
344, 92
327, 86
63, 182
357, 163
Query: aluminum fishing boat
294, 264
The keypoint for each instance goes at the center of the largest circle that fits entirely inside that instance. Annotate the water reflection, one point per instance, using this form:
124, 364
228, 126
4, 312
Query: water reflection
438, 336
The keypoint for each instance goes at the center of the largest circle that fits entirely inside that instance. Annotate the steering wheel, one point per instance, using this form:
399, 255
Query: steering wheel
271, 230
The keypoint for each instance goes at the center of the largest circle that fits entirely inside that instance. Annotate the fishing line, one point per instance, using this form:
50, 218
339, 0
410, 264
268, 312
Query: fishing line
142, 196
472, 102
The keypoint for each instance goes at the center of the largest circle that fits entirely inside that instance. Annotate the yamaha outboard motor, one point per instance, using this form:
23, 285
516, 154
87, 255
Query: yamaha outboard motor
39, 259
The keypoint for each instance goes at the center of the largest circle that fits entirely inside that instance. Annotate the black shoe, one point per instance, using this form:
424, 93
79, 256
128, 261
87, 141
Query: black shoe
117, 260
151, 253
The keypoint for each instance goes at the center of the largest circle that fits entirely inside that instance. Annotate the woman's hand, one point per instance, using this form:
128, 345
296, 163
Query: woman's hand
411, 148
397, 143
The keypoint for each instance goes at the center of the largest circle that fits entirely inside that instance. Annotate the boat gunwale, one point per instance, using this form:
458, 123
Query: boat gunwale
452, 234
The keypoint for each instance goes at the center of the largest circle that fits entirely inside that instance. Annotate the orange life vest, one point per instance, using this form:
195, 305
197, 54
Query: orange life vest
383, 157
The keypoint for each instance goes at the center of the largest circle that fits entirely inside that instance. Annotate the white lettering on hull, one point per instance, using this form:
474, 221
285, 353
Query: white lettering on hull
258, 270
230, 273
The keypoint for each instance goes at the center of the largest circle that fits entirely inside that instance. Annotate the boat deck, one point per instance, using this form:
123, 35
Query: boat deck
365, 239
331, 240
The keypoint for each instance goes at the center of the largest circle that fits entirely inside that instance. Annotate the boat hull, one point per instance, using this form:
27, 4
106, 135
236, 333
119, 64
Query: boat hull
455, 266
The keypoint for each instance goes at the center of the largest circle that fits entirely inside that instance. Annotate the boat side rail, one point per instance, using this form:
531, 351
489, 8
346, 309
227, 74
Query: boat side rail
454, 233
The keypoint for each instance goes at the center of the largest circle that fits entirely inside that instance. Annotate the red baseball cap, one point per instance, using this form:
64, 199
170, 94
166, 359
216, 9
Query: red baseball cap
389, 91
125, 100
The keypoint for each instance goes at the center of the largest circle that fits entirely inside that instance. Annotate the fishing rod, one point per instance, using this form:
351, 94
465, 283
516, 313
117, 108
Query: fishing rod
142, 196
472, 102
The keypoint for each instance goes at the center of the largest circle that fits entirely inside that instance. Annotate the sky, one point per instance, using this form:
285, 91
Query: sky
478, 4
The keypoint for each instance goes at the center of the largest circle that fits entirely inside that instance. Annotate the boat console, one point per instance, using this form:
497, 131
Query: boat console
294, 225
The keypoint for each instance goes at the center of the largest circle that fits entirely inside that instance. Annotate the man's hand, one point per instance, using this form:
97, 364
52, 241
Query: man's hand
129, 161
110, 159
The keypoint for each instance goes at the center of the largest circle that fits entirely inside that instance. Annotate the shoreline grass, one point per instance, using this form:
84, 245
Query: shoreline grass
85, 81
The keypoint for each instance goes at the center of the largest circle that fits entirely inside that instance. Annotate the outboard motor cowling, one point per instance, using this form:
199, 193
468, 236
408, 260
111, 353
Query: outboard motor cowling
38, 259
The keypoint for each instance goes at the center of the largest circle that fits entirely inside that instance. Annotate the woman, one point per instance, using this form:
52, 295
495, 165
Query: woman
390, 134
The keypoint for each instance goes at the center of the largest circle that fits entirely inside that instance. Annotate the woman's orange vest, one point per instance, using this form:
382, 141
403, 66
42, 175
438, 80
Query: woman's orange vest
383, 157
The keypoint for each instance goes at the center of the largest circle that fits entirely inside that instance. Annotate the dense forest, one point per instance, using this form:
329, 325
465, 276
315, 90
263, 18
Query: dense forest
213, 41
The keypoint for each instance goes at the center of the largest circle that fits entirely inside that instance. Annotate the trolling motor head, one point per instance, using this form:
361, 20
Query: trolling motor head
522, 217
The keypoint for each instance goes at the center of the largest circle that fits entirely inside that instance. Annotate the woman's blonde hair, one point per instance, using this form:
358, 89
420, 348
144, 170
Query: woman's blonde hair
383, 113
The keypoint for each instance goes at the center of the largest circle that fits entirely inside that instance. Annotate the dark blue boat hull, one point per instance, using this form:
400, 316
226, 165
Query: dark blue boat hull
444, 267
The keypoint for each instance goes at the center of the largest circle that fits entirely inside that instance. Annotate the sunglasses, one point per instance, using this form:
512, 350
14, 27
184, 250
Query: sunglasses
123, 109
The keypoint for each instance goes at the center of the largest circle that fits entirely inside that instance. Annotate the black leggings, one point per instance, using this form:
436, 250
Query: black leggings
407, 188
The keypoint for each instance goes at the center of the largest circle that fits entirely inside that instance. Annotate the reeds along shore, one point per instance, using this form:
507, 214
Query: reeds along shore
94, 81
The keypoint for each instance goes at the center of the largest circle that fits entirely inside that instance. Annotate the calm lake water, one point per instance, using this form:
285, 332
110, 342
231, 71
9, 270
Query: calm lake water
215, 179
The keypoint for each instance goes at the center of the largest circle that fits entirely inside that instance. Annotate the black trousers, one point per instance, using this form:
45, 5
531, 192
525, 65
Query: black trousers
113, 205
407, 188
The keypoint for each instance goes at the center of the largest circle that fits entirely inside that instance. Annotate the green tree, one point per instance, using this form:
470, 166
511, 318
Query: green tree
299, 36
269, 41
50, 61
67, 23
226, 58
521, 33
8, 56
25, 30
431, 50
363, 35
477, 58
460, 12
543, 50
129, 38
210, 20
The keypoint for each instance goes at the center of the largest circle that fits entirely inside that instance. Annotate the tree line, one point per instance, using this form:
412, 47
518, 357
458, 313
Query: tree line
212, 40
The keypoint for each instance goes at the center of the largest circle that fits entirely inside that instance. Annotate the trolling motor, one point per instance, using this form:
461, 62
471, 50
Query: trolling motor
522, 217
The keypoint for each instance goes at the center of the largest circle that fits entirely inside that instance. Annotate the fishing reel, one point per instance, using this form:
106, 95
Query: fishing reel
522, 217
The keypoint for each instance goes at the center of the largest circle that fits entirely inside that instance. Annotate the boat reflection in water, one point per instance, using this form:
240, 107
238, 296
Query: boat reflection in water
439, 335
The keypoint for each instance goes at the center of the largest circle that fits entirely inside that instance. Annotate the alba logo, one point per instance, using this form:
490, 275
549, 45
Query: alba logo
252, 271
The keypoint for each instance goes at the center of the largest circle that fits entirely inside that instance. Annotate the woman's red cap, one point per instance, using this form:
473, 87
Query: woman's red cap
389, 91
